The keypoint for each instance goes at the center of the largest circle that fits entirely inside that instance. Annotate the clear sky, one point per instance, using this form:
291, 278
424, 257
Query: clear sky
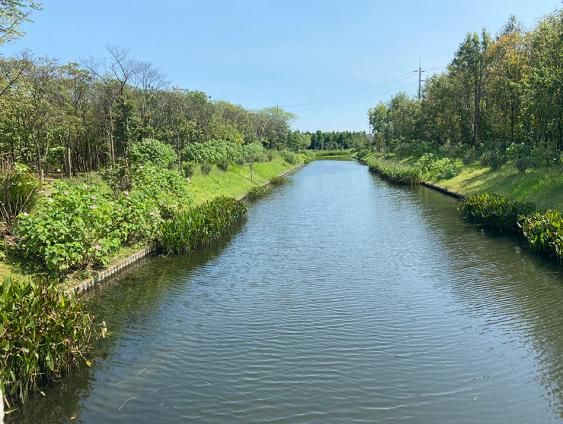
328, 61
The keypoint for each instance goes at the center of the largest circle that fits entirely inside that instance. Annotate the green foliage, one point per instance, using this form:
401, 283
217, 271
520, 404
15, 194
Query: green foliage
289, 157
493, 159
80, 225
205, 168
152, 152
257, 192
544, 232
200, 226
437, 168
254, 152
71, 229
213, 152
495, 211
223, 165
497, 92
18, 193
277, 181
44, 333
188, 169
394, 172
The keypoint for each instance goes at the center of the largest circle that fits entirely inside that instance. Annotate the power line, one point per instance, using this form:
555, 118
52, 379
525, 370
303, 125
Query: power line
352, 93
371, 96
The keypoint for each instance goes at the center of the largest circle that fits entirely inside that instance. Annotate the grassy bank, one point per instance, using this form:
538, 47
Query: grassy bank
542, 186
235, 182
528, 203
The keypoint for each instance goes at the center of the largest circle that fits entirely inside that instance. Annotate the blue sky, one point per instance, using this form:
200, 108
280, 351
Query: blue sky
328, 61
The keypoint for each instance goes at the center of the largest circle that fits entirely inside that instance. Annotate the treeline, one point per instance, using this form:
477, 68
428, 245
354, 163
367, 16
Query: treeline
337, 140
499, 92
75, 118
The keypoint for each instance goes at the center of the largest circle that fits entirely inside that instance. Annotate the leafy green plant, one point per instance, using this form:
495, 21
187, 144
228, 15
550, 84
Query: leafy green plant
395, 173
493, 159
18, 193
44, 333
289, 157
153, 152
257, 192
495, 211
223, 165
277, 181
188, 169
71, 229
200, 226
205, 168
544, 232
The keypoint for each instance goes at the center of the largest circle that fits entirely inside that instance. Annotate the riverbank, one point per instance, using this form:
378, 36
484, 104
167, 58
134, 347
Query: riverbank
528, 204
234, 182
542, 186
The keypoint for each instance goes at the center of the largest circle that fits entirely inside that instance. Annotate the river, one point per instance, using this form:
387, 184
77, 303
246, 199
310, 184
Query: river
340, 299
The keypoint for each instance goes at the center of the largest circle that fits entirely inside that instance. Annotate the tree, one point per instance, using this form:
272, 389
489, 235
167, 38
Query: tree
12, 14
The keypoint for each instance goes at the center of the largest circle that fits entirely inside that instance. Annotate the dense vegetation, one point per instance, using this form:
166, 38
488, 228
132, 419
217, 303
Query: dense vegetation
394, 172
43, 334
200, 226
542, 230
500, 99
338, 140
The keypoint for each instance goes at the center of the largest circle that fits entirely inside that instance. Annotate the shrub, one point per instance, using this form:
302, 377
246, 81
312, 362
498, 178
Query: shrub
200, 226
257, 192
213, 152
395, 173
44, 333
205, 168
188, 169
289, 157
277, 181
18, 193
544, 232
270, 155
119, 177
495, 211
153, 152
223, 165
493, 159
72, 228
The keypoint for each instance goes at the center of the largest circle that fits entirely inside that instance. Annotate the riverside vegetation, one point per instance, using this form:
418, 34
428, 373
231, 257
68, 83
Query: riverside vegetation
488, 128
68, 227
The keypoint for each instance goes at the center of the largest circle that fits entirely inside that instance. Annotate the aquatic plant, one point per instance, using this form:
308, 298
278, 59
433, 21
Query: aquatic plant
544, 232
394, 172
43, 334
257, 192
200, 225
277, 181
495, 211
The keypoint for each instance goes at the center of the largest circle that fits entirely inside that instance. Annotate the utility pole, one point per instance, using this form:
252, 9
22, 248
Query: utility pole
420, 71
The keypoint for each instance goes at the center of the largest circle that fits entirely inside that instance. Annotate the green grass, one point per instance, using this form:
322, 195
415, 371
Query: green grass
543, 186
235, 182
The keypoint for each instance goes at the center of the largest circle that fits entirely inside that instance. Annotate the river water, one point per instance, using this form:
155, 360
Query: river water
340, 299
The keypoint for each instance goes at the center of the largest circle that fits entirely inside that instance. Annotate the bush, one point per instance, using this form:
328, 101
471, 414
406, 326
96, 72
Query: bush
71, 229
277, 181
213, 152
395, 173
257, 192
188, 169
495, 211
289, 157
18, 193
200, 226
152, 152
493, 159
205, 168
223, 165
81, 225
544, 232
44, 333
